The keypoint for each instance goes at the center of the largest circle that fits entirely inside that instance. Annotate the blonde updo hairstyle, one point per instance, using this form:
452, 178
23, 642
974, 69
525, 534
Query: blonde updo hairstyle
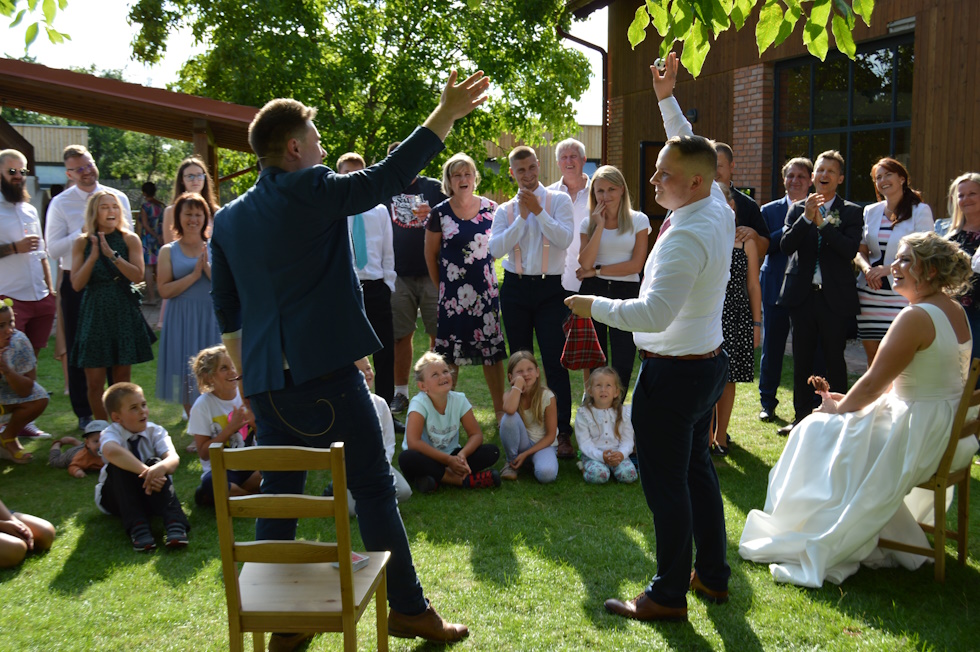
933, 253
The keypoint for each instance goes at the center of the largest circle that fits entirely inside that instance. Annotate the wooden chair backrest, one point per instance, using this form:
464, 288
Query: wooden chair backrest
962, 426
281, 458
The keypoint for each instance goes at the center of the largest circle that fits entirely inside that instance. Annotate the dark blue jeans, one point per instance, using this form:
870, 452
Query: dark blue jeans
775, 330
317, 413
672, 405
532, 305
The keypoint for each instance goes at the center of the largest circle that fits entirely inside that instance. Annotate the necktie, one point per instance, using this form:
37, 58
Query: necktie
360, 241
819, 275
134, 447
664, 227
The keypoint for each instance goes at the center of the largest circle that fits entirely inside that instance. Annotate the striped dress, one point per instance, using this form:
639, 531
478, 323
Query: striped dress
879, 307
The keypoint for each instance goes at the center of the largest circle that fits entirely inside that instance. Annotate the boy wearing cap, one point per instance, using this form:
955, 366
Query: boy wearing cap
81, 457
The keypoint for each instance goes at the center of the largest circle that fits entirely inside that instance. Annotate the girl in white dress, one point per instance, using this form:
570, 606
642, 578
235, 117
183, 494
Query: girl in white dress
604, 430
847, 468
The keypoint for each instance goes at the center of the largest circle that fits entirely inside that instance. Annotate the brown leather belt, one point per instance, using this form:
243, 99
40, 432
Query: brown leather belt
693, 356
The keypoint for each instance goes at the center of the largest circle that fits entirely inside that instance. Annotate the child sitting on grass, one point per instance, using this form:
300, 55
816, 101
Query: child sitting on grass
219, 415
20, 534
22, 399
432, 452
604, 431
81, 457
529, 427
135, 482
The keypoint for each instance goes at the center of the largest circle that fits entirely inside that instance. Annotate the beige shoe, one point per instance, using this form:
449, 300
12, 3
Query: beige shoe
428, 625
508, 473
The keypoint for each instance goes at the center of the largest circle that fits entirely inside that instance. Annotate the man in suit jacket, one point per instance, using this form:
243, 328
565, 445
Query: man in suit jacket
292, 317
821, 238
775, 318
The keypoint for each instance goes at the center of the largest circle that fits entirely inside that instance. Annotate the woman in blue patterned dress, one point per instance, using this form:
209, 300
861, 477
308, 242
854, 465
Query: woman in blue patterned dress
457, 253
184, 279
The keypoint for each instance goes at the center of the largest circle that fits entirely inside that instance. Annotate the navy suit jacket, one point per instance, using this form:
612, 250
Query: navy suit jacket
839, 245
774, 266
281, 266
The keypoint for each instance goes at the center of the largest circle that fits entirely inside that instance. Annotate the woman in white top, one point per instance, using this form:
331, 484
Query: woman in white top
901, 211
614, 248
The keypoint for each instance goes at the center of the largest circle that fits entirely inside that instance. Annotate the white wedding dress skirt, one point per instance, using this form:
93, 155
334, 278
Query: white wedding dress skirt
842, 480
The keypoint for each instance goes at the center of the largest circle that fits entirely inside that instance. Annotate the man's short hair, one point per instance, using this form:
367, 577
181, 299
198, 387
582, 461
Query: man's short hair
833, 155
12, 153
799, 162
698, 154
726, 149
569, 143
274, 124
520, 153
74, 151
115, 395
350, 157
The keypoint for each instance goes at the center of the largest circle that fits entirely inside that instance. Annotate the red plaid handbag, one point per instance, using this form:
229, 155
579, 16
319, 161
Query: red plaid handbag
582, 350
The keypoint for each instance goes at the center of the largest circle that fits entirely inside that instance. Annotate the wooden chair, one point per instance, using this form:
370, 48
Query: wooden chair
943, 478
292, 586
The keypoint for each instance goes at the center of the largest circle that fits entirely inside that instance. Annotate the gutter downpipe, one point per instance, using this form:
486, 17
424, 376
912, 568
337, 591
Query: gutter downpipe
605, 84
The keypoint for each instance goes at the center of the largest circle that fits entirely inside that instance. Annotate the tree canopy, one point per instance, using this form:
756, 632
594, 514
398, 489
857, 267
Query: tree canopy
693, 22
374, 69
20, 9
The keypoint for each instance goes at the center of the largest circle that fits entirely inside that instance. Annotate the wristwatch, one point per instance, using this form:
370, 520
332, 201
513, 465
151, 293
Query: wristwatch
597, 268
116, 255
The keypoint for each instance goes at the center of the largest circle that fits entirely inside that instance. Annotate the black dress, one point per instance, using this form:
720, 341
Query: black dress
736, 321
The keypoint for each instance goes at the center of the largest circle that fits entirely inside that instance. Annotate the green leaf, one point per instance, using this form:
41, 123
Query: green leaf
696, 47
658, 16
843, 37
30, 35
49, 8
820, 12
32, 4
54, 35
701, 12
741, 11
720, 9
863, 8
766, 31
20, 16
790, 18
683, 15
62, 4
474, 5
816, 38
665, 47
638, 28
844, 10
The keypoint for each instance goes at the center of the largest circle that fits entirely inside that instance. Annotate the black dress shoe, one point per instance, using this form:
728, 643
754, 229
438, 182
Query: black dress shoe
785, 430
643, 608
767, 415
399, 426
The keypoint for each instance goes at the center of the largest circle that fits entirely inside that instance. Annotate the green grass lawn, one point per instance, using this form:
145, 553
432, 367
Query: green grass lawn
525, 566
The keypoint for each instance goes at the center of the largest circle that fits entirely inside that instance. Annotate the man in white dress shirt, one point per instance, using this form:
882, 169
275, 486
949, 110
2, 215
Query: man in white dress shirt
676, 322
570, 154
65, 220
531, 233
374, 263
25, 276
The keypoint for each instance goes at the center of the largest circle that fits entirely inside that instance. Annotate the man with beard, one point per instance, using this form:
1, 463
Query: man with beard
66, 217
25, 276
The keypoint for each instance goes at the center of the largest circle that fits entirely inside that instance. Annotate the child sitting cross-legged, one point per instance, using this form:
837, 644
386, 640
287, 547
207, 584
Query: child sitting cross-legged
219, 416
529, 427
433, 454
135, 482
79, 457
604, 431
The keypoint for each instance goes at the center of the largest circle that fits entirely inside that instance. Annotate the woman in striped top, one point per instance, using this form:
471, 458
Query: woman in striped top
899, 212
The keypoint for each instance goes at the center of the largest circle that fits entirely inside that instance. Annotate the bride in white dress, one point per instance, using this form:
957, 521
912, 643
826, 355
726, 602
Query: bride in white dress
847, 468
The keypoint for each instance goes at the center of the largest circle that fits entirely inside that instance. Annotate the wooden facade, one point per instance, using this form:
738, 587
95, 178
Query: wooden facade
945, 133
50, 140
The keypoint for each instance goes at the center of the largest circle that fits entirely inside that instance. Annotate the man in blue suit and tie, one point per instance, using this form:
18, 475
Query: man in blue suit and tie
292, 317
775, 318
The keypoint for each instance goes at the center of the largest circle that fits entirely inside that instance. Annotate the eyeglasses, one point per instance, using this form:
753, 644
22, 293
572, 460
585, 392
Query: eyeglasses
22, 171
194, 177
82, 169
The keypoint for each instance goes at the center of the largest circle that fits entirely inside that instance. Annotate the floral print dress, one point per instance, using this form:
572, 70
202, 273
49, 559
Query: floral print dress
468, 327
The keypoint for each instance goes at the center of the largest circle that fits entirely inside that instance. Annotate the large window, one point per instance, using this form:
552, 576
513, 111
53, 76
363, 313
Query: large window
862, 108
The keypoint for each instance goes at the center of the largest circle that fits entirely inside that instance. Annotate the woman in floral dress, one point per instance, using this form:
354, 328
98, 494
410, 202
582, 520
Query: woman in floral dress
458, 256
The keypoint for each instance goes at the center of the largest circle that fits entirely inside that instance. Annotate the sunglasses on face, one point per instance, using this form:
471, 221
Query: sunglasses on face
22, 171
82, 168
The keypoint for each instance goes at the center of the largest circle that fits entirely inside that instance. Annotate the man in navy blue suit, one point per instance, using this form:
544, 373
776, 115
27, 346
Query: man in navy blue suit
292, 317
775, 318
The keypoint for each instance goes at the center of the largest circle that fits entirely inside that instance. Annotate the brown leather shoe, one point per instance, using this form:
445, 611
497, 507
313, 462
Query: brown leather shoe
565, 449
715, 597
643, 608
287, 642
428, 625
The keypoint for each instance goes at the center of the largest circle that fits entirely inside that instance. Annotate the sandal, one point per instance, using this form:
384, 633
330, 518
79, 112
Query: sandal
18, 456
718, 450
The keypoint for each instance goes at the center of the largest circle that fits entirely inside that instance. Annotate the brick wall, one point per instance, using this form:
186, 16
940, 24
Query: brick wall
752, 129
614, 150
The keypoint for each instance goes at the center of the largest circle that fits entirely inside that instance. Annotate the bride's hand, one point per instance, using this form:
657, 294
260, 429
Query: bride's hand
829, 403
